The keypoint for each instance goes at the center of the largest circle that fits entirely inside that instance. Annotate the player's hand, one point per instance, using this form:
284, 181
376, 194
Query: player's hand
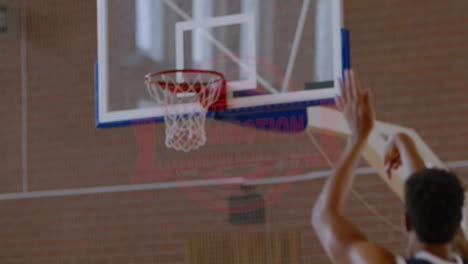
392, 156
401, 151
356, 105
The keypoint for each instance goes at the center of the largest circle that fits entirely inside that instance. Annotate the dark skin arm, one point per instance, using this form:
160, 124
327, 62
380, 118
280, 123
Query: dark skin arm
342, 240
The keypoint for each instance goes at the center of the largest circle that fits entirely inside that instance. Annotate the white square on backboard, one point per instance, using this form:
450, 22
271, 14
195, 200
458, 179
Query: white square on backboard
247, 66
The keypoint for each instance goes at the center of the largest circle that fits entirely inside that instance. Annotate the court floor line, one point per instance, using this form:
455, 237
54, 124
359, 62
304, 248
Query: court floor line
185, 184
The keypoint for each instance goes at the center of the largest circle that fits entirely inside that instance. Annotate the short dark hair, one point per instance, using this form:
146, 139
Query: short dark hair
434, 203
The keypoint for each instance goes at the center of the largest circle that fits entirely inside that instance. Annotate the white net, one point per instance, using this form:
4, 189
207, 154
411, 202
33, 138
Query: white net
186, 96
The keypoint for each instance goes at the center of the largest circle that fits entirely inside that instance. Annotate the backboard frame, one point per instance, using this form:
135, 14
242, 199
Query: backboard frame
238, 105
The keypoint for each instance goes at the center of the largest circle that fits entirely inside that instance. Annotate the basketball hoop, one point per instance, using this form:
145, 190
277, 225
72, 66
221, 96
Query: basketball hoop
186, 97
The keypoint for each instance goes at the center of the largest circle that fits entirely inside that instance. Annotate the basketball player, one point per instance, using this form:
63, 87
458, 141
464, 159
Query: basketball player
433, 198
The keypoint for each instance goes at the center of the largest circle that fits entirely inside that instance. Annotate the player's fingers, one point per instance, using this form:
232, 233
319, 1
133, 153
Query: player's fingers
398, 165
343, 90
349, 86
388, 170
392, 159
398, 160
368, 99
339, 102
393, 165
387, 155
364, 100
365, 95
355, 89
368, 104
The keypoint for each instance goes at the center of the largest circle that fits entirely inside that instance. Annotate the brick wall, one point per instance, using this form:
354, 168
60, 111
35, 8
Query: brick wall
10, 109
412, 54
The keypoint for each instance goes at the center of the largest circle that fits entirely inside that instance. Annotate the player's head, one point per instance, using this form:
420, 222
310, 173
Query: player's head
434, 203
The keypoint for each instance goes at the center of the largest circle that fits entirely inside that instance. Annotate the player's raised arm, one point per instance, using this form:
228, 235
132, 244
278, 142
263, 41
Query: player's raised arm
341, 239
